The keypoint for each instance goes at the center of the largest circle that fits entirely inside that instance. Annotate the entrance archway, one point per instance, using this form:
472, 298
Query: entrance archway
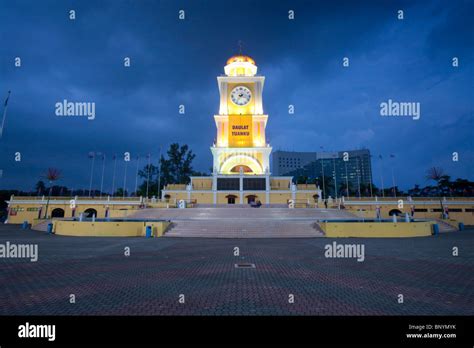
251, 199
245, 169
231, 199
89, 212
241, 160
57, 213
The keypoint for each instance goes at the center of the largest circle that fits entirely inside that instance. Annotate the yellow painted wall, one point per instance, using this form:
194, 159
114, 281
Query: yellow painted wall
279, 198
202, 184
465, 217
176, 196
305, 196
160, 205
23, 213
108, 229
175, 187
376, 229
204, 198
280, 184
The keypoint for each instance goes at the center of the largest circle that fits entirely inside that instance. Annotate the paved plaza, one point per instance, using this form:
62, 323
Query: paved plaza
150, 280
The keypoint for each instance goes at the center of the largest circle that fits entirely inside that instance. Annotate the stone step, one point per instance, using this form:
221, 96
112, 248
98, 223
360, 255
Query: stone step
42, 226
445, 227
243, 229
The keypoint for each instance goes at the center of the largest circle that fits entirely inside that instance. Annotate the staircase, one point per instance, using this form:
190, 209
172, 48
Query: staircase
42, 226
243, 222
231, 228
445, 227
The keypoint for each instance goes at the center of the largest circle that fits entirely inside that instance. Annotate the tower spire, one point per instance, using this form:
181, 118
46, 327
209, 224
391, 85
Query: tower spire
240, 47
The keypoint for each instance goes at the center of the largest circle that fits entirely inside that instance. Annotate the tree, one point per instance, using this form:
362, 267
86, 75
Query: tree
435, 174
302, 179
52, 175
176, 169
40, 187
178, 165
328, 186
119, 192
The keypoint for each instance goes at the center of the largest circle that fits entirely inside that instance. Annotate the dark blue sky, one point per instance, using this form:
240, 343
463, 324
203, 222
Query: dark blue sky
176, 62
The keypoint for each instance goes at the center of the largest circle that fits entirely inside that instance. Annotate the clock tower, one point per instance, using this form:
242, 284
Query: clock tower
240, 146
241, 165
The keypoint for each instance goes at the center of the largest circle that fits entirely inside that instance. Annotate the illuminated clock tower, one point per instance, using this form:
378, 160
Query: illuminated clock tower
241, 165
240, 146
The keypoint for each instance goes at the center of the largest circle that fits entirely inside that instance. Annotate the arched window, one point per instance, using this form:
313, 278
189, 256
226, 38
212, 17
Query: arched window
89, 212
57, 213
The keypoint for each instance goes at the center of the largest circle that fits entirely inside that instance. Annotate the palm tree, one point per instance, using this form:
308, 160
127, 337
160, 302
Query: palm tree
445, 185
435, 174
52, 175
40, 187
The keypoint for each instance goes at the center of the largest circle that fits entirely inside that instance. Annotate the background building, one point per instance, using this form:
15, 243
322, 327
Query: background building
339, 169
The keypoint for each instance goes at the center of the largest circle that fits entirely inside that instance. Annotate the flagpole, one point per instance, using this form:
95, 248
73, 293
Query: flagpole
92, 172
358, 177
393, 179
381, 176
148, 175
113, 175
124, 178
393, 183
4, 114
102, 179
347, 180
136, 176
322, 170
370, 181
159, 175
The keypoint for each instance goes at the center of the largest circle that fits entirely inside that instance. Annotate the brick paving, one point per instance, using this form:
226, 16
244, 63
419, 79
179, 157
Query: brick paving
150, 280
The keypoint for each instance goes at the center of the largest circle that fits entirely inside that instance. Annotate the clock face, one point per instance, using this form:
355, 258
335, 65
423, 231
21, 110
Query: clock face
240, 95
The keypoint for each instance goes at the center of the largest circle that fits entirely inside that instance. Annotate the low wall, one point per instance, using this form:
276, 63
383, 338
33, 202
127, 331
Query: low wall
377, 229
108, 228
466, 217
161, 205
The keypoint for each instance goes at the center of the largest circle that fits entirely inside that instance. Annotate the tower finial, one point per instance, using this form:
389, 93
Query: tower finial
240, 47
